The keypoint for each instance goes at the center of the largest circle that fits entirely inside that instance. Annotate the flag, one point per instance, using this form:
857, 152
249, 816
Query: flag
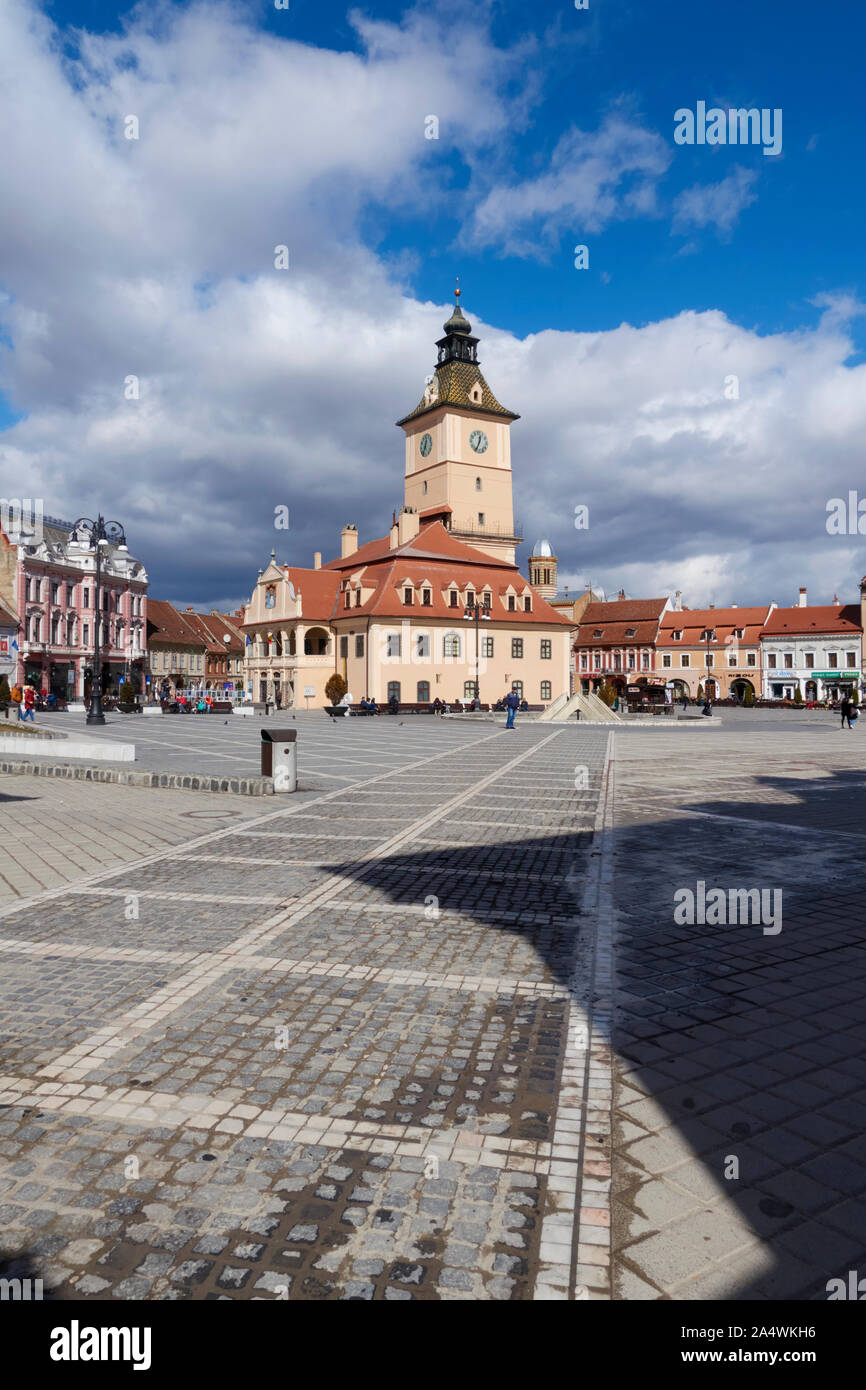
14, 645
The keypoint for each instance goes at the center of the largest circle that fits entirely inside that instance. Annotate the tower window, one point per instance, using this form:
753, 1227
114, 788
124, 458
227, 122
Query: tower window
480, 518
477, 484
424, 488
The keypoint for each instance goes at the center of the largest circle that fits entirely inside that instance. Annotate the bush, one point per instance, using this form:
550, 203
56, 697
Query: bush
749, 697
335, 688
128, 693
700, 695
798, 696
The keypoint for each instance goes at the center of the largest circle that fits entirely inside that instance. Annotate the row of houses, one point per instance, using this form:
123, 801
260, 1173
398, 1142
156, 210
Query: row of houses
768, 652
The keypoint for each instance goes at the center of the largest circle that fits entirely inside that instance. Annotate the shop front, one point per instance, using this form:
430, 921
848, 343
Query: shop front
834, 685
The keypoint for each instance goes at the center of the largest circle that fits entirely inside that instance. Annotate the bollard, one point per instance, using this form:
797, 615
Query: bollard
280, 758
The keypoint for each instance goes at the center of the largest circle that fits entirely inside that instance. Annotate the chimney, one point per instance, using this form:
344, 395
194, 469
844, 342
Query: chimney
802, 598
317, 560
678, 601
712, 606
348, 540
621, 595
407, 525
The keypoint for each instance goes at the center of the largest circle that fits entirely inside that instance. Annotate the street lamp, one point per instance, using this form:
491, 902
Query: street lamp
479, 613
97, 536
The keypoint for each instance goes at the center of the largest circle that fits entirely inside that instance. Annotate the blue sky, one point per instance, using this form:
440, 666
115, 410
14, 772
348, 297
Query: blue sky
556, 129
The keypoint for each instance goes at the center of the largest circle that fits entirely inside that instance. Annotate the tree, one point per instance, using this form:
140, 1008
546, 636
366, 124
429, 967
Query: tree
128, 693
335, 688
749, 697
607, 692
700, 694
855, 696
798, 696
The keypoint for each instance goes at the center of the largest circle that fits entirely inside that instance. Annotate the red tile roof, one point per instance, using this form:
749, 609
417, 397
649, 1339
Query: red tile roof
723, 621
166, 624
842, 619
388, 578
432, 541
617, 617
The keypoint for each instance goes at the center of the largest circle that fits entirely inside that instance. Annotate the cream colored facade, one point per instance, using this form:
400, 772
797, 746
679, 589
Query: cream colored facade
475, 487
287, 653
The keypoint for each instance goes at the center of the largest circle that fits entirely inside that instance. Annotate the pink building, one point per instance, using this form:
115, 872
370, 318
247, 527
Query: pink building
52, 576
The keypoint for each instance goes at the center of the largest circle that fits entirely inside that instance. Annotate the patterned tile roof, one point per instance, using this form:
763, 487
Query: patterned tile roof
456, 380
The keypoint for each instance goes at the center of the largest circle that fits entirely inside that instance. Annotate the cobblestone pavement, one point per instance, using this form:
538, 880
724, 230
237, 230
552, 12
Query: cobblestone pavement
339, 1049
740, 1065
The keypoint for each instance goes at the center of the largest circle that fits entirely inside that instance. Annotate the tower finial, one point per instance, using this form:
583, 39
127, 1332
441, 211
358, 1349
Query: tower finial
457, 291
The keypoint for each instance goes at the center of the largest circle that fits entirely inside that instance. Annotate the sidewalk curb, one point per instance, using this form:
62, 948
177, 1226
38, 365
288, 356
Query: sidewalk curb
171, 781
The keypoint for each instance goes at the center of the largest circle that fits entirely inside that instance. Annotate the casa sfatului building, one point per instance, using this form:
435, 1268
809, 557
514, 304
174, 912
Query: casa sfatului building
395, 616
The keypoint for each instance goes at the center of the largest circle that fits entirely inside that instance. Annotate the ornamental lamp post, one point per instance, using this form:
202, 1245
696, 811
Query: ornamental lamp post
97, 536
479, 613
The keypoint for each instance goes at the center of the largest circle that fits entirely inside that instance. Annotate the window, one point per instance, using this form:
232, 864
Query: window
771, 661
486, 600
469, 690
584, 661
426, 597
850, 658
55, 629
408, 597
423, 692
344, 647
393, 690
359, 645
666, 661
546, 649
708, 634
424, 488
545, 690
512, 603
517, 687
645, 661
452, 644
739, 633
833, 660
481, 519
752, 659
597, 662
422, 645
357, 598
631, 661
477, 484
809, 659
617, 661
631, 632
789, 661
347, 599
70, 595
392, 645
487, 646
55, 591
452, 599
599, 632
677, 636
85, 598
470, 598
516, 647
708, 659
685, 659
527, 604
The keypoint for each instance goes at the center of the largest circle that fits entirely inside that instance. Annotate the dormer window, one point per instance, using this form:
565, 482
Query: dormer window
708, 634
512, 603
475, 395
677, 636
426, 598
599, 632
452, 598
408, 597
631, 632
527, 604
485, 600
470, 598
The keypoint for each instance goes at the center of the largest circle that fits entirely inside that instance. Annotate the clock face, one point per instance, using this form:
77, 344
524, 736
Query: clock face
478, 441
426, 444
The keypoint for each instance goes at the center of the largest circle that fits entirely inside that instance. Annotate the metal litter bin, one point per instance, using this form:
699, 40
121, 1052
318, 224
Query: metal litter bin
280, 758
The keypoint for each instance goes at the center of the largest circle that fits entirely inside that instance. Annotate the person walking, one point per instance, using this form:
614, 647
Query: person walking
29, 703
512, 703
845, 709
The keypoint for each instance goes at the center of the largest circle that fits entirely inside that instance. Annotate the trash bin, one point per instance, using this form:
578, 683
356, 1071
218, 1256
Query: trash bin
280, 758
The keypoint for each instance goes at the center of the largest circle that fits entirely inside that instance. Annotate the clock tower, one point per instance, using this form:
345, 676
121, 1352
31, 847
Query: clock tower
458, 448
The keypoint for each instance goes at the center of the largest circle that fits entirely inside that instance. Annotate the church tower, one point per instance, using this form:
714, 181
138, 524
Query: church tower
458, 448
542, 569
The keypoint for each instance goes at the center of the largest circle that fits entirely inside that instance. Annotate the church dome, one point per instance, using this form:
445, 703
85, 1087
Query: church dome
542, 548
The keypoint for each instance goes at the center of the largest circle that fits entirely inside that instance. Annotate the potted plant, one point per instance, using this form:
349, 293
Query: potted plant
128, 699
335, 689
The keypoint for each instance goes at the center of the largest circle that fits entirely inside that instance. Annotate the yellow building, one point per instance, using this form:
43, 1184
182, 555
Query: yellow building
421, 613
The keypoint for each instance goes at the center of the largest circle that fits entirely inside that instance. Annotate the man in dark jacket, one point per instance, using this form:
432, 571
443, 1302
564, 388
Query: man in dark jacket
512, 703
846, 708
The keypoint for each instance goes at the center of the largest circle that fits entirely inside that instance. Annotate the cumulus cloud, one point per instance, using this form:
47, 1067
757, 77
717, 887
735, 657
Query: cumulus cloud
261, 388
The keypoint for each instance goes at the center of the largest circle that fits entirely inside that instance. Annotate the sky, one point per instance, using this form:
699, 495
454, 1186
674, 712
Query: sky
699, 384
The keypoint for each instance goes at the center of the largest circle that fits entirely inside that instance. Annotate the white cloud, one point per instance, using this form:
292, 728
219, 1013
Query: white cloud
716, 204
261, 388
